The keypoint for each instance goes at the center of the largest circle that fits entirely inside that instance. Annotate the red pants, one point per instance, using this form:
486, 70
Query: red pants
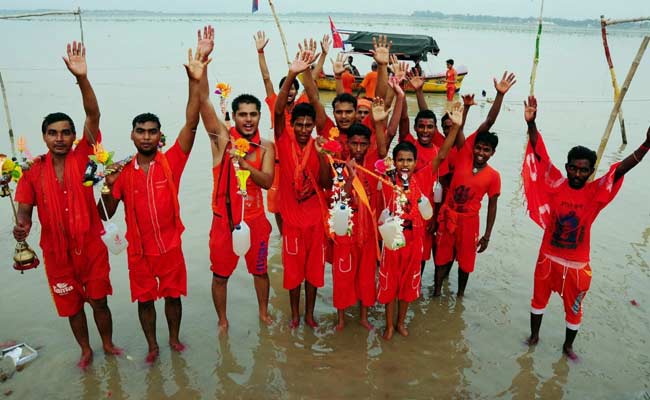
303, 255
399, 271
459, 243
354, 270
222, 256
451, 91
572, 284
153, 277
82, 277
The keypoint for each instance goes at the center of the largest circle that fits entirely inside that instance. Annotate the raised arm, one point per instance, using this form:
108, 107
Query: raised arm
300, 64
260, 43
212, 124
381, 55
325, 48
310, 85
530, 114
325, 177
633, 159
76, 63
416, 80
468, 102
456, 118
396, 116
502, 88
195, 69
338, 68
379, 116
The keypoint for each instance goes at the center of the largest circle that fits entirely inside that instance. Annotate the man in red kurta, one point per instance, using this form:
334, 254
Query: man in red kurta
148, 186
302, 206
75, 257
450, 80
566, 207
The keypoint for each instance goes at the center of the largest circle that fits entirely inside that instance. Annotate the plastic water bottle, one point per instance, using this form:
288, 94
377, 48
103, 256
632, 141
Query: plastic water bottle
340, 219
385, 213
437, 193
113, 238
241, 239
425, 207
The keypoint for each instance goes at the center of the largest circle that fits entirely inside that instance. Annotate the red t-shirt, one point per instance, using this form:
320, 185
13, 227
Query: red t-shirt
451, 77
154, 204
300, 205
270, 101
30, 191
467, 189
370, 84
348, 80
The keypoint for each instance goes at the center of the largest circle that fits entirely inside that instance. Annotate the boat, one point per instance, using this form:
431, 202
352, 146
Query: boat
414, 48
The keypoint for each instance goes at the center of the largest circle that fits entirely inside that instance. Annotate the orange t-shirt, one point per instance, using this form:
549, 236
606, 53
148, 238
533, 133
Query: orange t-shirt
30, 190
467, 189
348, 80
370, 83
154, 204
451, 77
270, 101
300, 205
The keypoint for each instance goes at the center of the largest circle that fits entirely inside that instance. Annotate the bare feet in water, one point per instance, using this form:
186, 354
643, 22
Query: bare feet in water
113, 350
532, 340
85, 360
294, 323
266, 318
310, 321
152, 356
223, 326
401, 329
388, 333
366, 324
177, 346
568, 351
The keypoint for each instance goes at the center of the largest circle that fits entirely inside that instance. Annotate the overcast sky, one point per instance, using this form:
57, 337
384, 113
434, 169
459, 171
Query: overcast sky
572, 9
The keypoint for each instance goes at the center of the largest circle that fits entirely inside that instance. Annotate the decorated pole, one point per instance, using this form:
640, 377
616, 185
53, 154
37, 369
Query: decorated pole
284, 40
533, 73
8, 116
610, 64
619, 100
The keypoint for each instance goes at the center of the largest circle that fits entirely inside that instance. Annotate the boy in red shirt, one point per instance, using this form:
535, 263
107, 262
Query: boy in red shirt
148, 186
75, 257
450, 80
303, 203
458, 219
566, 208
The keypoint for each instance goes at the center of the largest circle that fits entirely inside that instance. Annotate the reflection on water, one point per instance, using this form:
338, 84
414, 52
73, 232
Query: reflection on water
456, 349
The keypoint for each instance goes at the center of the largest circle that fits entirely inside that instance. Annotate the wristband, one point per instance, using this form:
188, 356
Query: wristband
260, 51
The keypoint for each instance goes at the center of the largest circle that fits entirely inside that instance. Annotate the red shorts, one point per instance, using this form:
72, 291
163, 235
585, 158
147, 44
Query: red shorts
354, 273
459, 244
399, 270
303, 255
81, 278
153, 277
273, 194
572, 284
222, 256
451, 91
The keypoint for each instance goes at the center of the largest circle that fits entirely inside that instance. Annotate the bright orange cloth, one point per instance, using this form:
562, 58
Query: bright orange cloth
451, 77
370, 84
348, 80
153, 224
270, 101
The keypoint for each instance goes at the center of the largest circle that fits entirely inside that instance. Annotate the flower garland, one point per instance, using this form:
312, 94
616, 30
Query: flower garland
340, 220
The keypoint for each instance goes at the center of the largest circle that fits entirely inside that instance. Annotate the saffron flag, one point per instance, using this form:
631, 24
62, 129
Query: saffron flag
256, 5
336, 37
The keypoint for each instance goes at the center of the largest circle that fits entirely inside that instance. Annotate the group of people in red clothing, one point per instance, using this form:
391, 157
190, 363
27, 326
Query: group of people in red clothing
405, 202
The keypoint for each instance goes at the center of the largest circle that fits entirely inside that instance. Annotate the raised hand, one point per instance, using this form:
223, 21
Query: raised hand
196, 65
76, 59
394, 83
337, 65
304, 58
319, 142
205, 42
456, 114
260, 40
530, 110
415, 79
379, 113
400, 69
468, 100
381, 50
325, 44
505, 83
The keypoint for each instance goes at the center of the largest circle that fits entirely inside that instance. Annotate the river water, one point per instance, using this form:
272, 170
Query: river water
457, 349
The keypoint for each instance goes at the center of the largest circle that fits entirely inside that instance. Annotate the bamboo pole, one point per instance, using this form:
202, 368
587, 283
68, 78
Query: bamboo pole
624, 21
284, 40
81, 28
533, 73
619, 100
612, 72
8, 116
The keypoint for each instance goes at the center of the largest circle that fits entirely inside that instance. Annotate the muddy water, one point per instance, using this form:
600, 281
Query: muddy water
456, 349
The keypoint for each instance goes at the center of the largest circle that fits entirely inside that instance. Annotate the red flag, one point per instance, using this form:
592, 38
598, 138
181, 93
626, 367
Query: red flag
255, 5
336, 37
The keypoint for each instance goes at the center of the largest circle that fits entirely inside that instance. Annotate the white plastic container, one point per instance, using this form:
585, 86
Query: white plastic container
437, 192
385, 213
20, 354
241, 239
392, 235
113, 238
425, 208
340, 219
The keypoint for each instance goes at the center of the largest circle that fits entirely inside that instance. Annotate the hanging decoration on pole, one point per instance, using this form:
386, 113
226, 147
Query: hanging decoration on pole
533, 73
